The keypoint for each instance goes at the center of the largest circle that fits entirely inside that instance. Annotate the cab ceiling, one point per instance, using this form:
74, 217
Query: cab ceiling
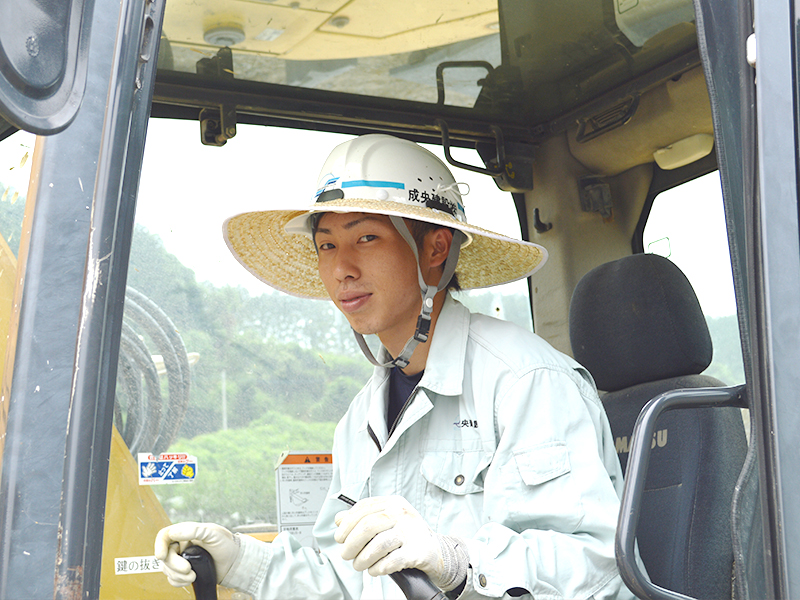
330, 29
554, 66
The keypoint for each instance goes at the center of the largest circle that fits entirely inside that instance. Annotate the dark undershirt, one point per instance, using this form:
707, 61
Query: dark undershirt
400, 388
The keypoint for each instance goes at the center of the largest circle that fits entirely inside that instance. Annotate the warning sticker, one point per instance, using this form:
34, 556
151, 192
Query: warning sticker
304, 534
136, 564
302, 486
166, 468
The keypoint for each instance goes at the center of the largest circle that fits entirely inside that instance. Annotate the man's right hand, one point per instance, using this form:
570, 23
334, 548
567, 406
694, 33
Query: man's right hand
172, 540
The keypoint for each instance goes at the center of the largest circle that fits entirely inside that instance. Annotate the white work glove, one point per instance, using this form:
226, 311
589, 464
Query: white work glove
384, 535
171, 541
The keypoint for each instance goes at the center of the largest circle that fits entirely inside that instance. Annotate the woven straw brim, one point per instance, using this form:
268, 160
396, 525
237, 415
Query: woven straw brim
288, 262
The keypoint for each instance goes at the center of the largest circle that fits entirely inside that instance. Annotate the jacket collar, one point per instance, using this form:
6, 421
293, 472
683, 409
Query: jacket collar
444, 370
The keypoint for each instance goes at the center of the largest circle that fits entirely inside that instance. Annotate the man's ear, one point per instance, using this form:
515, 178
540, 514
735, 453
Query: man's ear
437, 246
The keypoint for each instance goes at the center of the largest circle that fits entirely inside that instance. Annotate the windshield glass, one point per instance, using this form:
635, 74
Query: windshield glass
215, 364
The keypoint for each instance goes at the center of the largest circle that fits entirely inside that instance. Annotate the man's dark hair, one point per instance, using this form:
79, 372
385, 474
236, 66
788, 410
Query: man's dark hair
418, 229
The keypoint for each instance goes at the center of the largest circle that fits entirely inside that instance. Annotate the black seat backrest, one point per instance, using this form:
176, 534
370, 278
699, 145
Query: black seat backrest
636, 325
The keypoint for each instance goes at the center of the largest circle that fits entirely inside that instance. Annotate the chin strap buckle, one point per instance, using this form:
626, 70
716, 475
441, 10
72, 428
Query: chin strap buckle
423, 328
400, 362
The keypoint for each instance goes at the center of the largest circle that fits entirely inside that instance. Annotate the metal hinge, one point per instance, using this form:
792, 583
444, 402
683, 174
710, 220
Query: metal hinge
217, 125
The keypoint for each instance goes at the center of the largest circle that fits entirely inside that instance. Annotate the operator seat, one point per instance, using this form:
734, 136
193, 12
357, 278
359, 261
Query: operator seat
637, 326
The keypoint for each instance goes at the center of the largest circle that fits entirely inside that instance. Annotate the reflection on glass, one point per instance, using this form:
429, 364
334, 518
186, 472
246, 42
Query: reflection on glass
539, 59
386, 49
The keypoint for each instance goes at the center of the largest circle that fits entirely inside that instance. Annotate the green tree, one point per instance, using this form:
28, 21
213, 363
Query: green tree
161, 277
276, 352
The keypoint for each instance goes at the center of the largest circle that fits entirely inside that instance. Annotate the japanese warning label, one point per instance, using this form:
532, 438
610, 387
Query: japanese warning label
136, 564
302, 482
166, 468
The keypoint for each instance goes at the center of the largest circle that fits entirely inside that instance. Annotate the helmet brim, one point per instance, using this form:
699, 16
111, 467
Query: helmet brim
287, 261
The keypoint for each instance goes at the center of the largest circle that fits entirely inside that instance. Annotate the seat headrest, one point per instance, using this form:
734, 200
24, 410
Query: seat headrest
635, 320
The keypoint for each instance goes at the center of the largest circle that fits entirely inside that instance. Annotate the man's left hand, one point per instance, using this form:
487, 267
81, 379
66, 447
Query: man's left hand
384, 535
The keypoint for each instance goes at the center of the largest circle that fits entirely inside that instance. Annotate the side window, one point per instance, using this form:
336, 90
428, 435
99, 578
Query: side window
16, 152
687, 225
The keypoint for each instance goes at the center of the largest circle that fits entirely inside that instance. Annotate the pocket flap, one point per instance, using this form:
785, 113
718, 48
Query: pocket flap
456, 472
543, 463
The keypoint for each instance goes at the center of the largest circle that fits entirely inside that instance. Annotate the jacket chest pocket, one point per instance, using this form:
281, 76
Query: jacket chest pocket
453, 500
537, 490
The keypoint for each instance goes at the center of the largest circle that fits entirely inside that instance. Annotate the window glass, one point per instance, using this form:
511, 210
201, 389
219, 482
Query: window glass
555, 56
16, 153
687, 225
267, 372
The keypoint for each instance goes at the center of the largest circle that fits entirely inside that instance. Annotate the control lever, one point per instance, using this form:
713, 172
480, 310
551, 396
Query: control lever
205, 583
415, 584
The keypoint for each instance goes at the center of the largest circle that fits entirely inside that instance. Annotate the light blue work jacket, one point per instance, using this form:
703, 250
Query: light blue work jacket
504, 443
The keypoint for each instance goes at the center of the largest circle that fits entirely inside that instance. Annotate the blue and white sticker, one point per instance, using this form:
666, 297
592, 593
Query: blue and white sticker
166, 468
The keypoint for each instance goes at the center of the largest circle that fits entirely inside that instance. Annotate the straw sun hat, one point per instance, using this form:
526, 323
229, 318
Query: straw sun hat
376, 174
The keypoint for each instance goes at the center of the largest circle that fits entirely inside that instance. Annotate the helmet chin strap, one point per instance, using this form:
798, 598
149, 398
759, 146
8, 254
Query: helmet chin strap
428, 292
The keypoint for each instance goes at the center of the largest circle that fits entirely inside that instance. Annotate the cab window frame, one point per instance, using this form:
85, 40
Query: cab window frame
666, 180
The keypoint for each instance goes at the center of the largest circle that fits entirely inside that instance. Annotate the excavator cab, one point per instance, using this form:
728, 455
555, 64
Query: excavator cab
147, 378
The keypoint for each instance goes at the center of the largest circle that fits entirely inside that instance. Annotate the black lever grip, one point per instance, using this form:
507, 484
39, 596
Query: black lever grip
205, 584
416, 585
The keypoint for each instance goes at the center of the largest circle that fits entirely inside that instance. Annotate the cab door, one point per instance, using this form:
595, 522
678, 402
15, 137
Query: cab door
80, 74
750, 50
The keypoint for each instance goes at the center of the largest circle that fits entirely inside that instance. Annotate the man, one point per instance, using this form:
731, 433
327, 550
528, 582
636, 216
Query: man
477, 453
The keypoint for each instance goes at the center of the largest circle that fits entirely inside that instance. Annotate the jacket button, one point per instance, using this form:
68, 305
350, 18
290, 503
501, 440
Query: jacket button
482, 580
459, 479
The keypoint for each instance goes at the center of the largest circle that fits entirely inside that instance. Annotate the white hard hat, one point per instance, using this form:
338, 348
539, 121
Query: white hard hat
378, 174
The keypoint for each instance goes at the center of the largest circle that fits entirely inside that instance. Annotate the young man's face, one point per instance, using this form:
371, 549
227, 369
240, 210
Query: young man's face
370, 273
